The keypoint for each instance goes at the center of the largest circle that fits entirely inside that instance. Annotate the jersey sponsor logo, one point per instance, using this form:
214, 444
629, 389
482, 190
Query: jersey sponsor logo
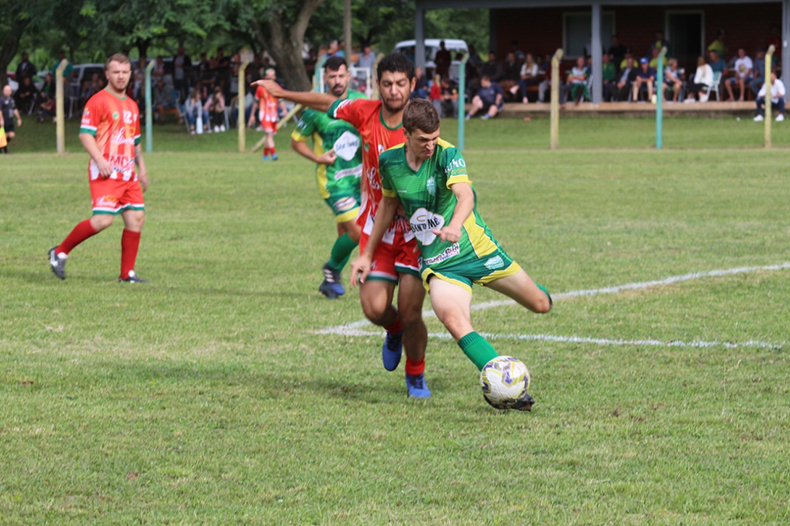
447, 253
86, 113
423, 223
107, 201
494, 263
455, 164
349, 172
345, 204
347, 145
373, 180
120, 138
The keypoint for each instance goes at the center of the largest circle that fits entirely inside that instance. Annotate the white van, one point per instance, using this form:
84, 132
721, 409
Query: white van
453, 45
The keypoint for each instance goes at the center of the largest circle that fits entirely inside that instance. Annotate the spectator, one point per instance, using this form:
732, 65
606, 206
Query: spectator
97, 83
334, 50
654, 58
672, 79
645, 76
161, 99
577, 79
608, 77
8, 112
223, 70
492, 69
367, 59
777, 99
659, 42
716, 63
529, 77
420, 84
449, 104
627, 78
26, 95
442, 60
25, 69
68, 72
207, 75
512, 73
490, 98
217, 110
775, 39
195, 114
249, 102
758, 71
473, 67
545, 85
703, 79
182, 70
435, 94
516, 50
159, 69
139, 81
617, 52
85, 92
718, 45
743, 75
628, 55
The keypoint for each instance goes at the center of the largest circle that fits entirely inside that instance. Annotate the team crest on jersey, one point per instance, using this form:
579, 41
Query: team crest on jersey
86, 113
115, 115
430, 185
494, 263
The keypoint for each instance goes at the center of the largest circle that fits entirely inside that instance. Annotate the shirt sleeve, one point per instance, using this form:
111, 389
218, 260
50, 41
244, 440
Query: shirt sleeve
91, 116
454, 167
348, 110
386, 185
305, 128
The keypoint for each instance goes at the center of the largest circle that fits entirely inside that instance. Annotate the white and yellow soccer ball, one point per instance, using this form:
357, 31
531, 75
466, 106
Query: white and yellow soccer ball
504, 380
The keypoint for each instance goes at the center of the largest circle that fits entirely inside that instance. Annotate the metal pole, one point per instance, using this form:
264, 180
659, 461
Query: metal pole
149, 114
60, 114
786, 42
597, 60
419, 38
347, 30
555, 99
768, 59
241, 117
660, 99
462, 101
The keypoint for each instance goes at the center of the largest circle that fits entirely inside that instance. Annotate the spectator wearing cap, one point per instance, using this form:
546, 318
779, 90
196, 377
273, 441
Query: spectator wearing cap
758, 71
777, 99
645, 76
743, 74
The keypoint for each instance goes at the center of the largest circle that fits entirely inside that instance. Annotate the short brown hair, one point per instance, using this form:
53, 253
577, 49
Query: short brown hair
117, 57
420, 114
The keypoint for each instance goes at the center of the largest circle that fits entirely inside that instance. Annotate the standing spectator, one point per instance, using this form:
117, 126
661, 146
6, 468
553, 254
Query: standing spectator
672, 79
334, 50
25, 69
777, 99
68, 72
193, 107
577, 79
492, 69
716, 63
645, 76
442, 60
627, 78
367, 59
608, 77
718, 45
529, 77
182, 70
545, 85
139, 81
743, 74
8, 111
85, 92
420, 85
758, 71
659, 42
703, 79
490, 98
26, 95
46, 107
233, 77
617, 52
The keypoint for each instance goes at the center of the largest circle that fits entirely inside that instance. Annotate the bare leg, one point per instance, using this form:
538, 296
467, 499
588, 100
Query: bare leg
521, 288
452, 305
376, 299
411, 294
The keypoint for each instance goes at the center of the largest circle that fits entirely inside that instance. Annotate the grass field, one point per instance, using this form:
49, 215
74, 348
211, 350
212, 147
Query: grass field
208, 396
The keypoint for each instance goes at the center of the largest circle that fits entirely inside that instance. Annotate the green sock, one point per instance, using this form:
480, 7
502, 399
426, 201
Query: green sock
341, 252
477, 349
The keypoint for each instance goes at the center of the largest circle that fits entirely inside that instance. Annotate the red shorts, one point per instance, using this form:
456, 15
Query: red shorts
113, 196
389, 260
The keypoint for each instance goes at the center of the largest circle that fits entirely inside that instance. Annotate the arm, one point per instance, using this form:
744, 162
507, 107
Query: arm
309, 99
18, 118
466, 203
304, 150
142, 173
360, 268
89, 143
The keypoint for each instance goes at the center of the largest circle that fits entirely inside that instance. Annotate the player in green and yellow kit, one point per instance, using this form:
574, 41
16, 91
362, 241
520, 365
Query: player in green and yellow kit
428, 177
338, 154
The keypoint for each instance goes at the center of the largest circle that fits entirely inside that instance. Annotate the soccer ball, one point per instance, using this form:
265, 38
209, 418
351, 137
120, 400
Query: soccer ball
504, 380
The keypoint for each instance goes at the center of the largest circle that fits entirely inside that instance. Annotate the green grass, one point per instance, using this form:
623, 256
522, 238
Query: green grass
206, 396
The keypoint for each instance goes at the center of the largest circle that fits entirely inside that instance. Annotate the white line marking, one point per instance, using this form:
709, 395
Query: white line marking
354, 328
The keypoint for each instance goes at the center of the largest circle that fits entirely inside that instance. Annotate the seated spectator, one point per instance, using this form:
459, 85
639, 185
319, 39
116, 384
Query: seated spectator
85, 92
529, 77
97, 83
8, 112
628, 55
449, 101
490, 99
249, 102
46, 107
139, 81
758, 71
216, 108
195, 113
672, 79
577, 79
703, 79
435, 94
608, 77
26, 95
545, 84
512, 72
161, 99
492, 69
645, 76
743, 75
716, 63
626, 80
777, 99
420, 84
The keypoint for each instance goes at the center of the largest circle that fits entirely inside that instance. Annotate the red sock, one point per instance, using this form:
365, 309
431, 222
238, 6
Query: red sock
415, 367
80, 233
274, 152
266, 151
395, 328
130, 242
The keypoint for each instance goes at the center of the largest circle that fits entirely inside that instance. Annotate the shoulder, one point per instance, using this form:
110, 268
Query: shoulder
391, 154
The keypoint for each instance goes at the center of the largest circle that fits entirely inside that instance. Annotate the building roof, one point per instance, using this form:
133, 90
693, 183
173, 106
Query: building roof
504, 4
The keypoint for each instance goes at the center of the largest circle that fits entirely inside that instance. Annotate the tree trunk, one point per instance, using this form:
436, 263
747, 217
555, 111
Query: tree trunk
10, 48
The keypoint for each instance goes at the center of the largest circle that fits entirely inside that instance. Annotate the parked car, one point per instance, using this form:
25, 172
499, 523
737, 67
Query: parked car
431, 47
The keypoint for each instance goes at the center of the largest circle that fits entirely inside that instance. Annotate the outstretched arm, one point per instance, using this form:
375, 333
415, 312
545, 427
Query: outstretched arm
310, 99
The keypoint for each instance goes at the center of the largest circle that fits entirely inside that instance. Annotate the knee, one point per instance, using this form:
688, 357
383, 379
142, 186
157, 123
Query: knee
543, 305
101, 221
410, 315
374, 311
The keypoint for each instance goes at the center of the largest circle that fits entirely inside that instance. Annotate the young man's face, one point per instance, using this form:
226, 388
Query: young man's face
337, 81
118, 75
422, 144
395, 89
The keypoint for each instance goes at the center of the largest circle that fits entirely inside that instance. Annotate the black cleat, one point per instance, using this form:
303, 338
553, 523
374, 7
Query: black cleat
333, 281
325, 288
133, 278
57, 264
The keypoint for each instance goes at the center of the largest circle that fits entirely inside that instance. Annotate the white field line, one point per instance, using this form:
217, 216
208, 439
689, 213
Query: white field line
355, 328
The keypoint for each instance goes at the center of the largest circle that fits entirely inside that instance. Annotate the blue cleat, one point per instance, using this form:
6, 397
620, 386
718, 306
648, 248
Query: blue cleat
392, 350
332, 281
265, 157
415, 383
274, 157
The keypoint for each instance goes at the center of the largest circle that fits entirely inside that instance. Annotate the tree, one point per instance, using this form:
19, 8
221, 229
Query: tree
16, 18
